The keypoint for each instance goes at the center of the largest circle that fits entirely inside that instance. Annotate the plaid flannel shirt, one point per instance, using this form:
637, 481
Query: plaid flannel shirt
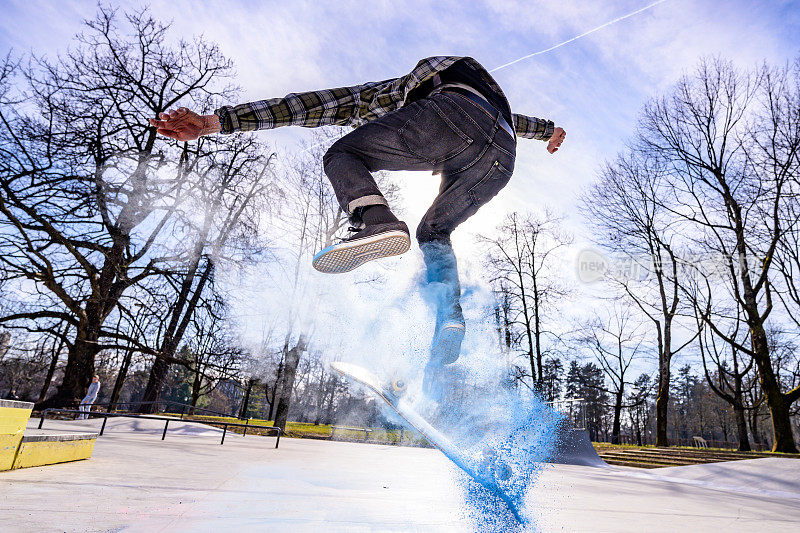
359, 104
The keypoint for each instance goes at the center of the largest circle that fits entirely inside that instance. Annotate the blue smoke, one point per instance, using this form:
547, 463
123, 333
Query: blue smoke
507, 436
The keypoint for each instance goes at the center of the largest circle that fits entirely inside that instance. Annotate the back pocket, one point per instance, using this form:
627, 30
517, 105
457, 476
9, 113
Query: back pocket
431, 135
491, 184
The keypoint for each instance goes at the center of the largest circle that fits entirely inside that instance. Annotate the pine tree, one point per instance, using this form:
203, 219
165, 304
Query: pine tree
552, 378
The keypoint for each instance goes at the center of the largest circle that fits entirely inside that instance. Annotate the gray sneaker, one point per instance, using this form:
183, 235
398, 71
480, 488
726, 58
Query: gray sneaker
372, 242
446, 345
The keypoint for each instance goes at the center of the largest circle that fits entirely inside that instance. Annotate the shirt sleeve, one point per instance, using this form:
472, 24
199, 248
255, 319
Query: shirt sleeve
308, 109
532, 127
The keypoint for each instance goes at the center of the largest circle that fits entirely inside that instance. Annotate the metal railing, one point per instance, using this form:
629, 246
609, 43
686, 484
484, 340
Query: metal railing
334, 429
105, 416
168, 404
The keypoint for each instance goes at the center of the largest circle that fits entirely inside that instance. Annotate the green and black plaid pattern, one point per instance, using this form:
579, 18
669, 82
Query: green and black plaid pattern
359, 104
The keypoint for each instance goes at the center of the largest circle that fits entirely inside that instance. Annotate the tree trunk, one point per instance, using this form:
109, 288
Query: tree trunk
638, 433
196, 382
754, 425
121, 375
329, 410
738, 407
78, 372
782, 427
528, 332
246, 401
662, 397
80, 359
783, 438
741, 426
155, 383
287, 383
538, 383
269, 399
615, 430
275, 387
322, 392
181, 314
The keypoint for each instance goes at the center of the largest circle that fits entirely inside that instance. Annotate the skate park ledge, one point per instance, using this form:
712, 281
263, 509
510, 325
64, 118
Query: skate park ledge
21, 448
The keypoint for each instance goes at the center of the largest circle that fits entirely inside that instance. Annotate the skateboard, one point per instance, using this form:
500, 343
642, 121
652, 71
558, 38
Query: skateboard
488, 472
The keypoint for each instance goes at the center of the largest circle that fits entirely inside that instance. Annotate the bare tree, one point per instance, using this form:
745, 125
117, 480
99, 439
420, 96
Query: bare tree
730, 142
628, 208
229, 196
211, 354
310, 219
139, 323
712, 177
522, 263
615, 338
286, 382
83, 197
727, 380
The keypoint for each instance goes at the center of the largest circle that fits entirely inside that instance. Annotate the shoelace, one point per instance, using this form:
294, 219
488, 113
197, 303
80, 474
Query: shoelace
352, 230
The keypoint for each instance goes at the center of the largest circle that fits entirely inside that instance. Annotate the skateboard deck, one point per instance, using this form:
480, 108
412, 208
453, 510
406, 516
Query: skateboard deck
392, 395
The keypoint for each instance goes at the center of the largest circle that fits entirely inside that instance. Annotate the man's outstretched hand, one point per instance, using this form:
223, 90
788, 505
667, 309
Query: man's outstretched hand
555, 141
185, 125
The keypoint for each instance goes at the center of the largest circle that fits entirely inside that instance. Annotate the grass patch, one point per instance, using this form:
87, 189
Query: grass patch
607, 446
309, 430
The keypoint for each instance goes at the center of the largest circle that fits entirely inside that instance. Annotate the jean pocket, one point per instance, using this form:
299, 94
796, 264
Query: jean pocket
433, 136
487, 188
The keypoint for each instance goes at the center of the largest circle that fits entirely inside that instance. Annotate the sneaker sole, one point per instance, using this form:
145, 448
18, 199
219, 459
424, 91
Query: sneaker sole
344, 257
448, 348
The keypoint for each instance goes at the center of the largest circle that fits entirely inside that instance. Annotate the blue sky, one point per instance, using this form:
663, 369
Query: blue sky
593, 87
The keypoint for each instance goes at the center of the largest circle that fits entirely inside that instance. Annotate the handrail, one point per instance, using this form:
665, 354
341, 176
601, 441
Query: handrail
105, 417
166, 403
366, 431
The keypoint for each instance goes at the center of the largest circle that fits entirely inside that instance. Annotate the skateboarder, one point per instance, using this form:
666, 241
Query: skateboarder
447, 115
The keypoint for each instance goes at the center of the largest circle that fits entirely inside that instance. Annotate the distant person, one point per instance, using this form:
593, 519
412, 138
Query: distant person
448, 115
90, 398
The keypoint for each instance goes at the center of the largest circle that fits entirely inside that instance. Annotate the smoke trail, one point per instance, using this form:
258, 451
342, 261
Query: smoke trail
559, 45
508, 436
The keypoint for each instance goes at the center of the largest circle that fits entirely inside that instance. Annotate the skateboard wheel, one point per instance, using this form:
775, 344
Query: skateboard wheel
502, 471
398, 386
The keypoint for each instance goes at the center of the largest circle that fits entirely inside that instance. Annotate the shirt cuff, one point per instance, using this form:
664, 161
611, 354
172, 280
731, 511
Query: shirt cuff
226, 120
548, 130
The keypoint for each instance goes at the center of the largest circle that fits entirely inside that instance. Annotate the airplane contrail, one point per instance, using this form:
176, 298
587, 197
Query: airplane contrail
559, 45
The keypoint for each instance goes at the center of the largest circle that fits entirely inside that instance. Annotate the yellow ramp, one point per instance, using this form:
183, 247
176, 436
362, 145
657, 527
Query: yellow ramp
21, 448
14, 417
49, 448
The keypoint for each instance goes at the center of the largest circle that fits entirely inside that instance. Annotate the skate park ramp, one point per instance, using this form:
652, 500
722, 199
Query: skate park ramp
190, 483
575, 448
768, 476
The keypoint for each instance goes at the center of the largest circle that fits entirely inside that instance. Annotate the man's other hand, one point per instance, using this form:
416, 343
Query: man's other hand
555, 141
185, 125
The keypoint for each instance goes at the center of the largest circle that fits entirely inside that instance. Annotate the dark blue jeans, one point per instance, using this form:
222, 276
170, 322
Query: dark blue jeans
448, 134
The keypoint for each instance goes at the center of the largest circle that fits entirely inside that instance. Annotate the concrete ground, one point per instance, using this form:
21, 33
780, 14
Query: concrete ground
136, 482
